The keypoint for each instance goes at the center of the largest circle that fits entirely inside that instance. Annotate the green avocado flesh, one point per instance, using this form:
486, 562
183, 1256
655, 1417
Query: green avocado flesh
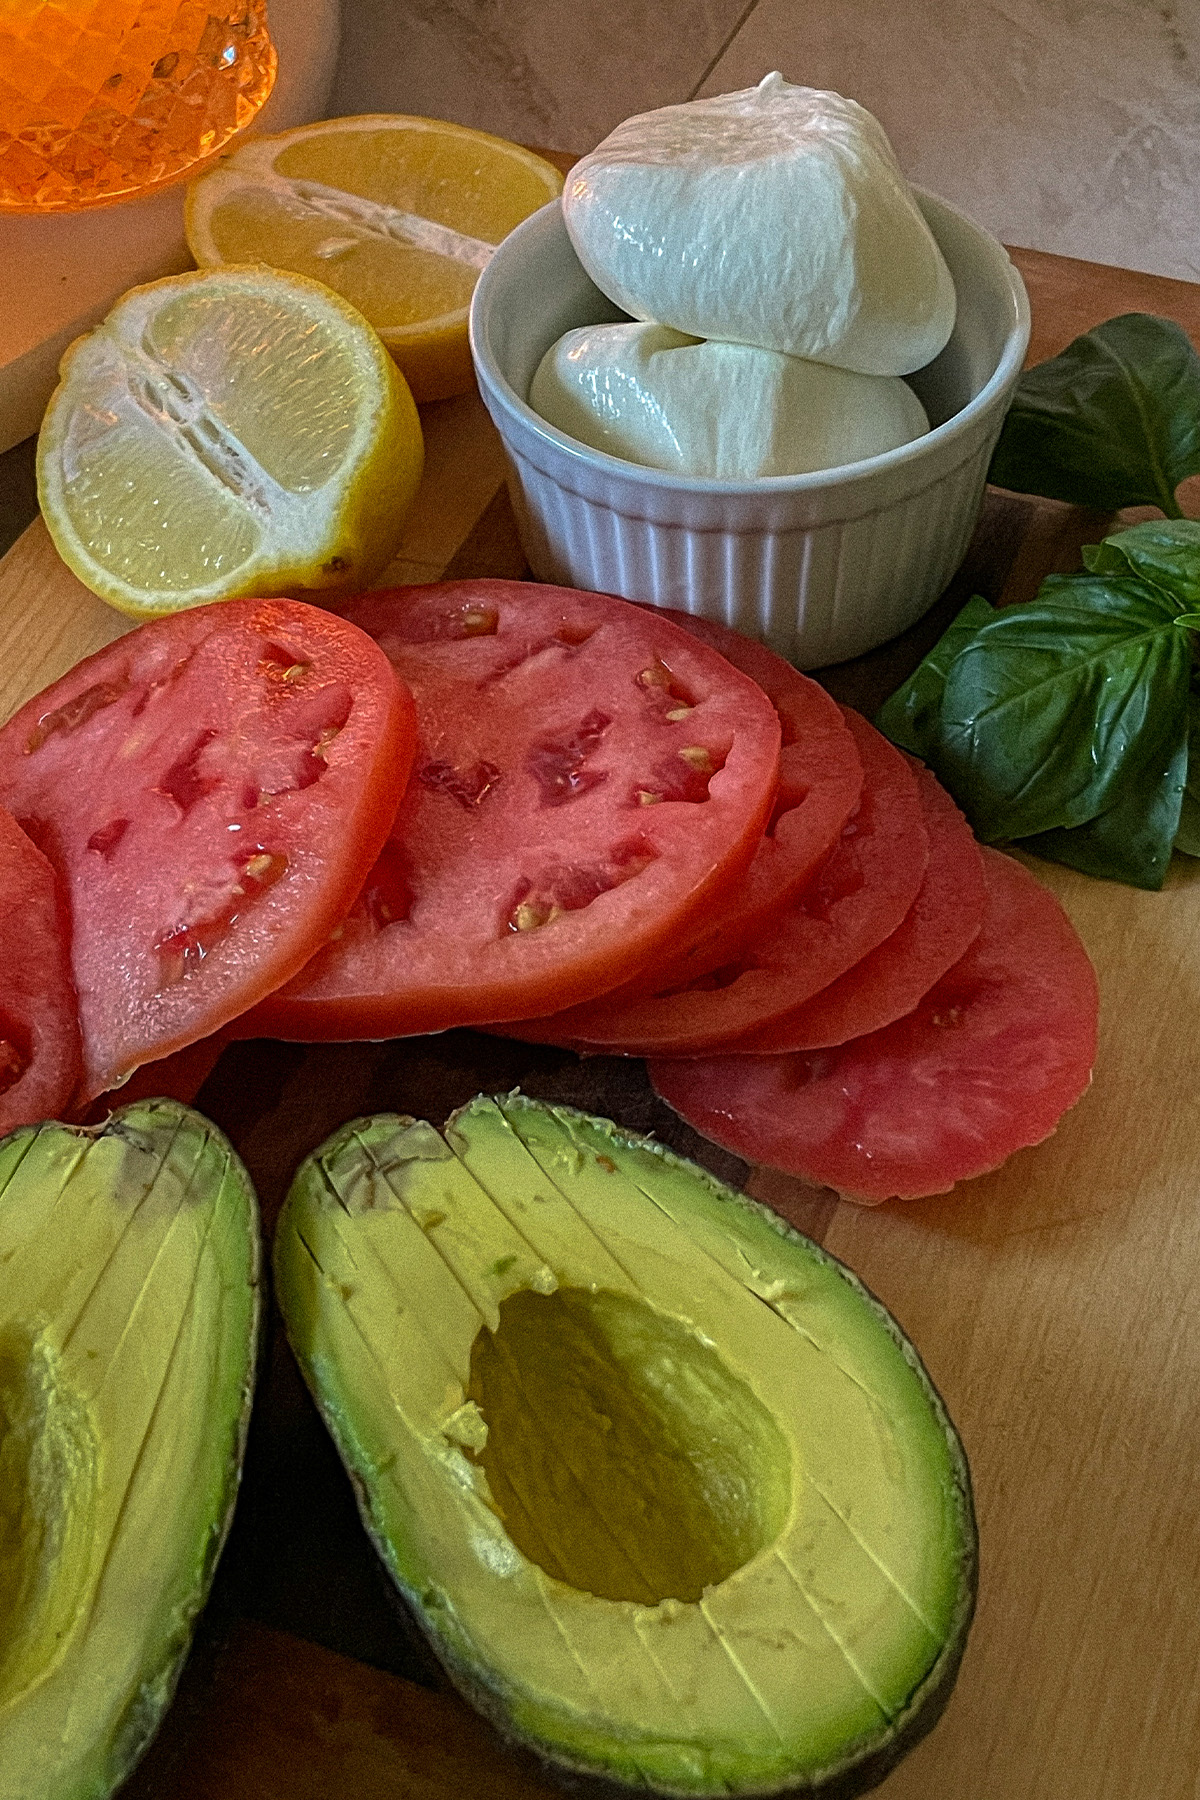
129, 1284
668, 1490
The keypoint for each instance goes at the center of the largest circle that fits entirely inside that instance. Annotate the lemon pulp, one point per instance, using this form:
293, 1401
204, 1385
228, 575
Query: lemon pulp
396, 214
229, 433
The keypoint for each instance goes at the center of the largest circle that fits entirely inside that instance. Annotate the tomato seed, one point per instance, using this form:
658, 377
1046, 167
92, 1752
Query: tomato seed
532, 918
387, 896
182, 950
684, 776
698, 758
661, 684
279, 661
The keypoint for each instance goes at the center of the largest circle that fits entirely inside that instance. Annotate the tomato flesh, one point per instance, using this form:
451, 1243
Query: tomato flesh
589, 782
39, 1026
211, 790
858, 898
176, 1077
939, 928
820, 781
987, 1064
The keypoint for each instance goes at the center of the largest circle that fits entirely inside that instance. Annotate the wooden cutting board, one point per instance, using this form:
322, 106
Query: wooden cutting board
1057, 1302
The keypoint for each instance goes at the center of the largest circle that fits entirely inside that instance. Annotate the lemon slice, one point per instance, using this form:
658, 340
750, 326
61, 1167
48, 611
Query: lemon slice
397, 214
229, 433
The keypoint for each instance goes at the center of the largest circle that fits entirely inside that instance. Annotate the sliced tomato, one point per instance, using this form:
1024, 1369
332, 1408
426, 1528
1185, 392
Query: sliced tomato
176, 1077
590, 783
211, 790
39, 1027
938, 928
987, 1064
859, 897
820, 780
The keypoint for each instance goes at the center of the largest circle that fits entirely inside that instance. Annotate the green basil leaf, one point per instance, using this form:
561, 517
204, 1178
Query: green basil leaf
911, 717
1052, 709
1113, 421
1187, 837
1165, 552
1090, 596
1133, 840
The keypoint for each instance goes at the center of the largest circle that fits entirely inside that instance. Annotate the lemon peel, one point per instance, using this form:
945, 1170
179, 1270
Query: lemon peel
236, 432
398, 214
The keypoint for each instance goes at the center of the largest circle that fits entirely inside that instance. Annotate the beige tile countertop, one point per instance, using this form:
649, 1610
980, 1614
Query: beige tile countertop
1070, 126
1054, 1301
1063, 125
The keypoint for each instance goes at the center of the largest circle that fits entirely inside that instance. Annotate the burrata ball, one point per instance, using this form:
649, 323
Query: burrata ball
668, 401
776, 216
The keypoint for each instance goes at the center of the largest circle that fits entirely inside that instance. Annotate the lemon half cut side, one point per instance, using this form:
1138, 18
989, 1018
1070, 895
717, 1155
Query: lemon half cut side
238, 432
397, 214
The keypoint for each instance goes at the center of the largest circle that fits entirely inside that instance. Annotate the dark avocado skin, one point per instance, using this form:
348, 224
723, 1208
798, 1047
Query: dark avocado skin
861, 1770
858, 1776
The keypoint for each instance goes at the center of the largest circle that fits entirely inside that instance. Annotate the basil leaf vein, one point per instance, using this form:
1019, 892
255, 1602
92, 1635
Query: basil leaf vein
911, 718
1051, 708
1133, 840
1112, 421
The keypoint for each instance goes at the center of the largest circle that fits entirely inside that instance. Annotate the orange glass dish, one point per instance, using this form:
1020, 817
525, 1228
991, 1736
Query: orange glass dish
103, 98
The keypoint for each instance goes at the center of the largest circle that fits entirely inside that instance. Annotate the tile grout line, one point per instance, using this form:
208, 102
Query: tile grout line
742, 18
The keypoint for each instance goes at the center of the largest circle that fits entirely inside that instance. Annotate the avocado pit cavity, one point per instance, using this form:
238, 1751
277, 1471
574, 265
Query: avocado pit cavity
622, 1454
667, 1490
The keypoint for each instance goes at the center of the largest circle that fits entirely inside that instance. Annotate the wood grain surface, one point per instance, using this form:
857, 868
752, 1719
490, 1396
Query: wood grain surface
1057, 1302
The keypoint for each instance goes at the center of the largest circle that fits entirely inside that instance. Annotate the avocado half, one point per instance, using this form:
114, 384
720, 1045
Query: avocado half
129, 1308
668, 1490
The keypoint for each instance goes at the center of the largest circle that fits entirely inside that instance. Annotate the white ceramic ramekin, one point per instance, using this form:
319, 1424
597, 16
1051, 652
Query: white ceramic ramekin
822, 567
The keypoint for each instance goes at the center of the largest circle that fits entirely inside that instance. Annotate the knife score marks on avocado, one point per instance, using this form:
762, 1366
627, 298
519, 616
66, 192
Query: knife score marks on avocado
129, 1313
1066, 724
669, 1492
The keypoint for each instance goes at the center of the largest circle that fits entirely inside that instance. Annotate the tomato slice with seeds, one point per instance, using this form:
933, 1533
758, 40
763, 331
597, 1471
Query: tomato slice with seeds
938, 928
861, 893
820, 780
987, 1064
590, 783
212, 790
39, 1027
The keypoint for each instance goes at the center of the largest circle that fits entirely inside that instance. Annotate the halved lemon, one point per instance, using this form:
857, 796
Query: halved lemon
397, 214
226, 433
